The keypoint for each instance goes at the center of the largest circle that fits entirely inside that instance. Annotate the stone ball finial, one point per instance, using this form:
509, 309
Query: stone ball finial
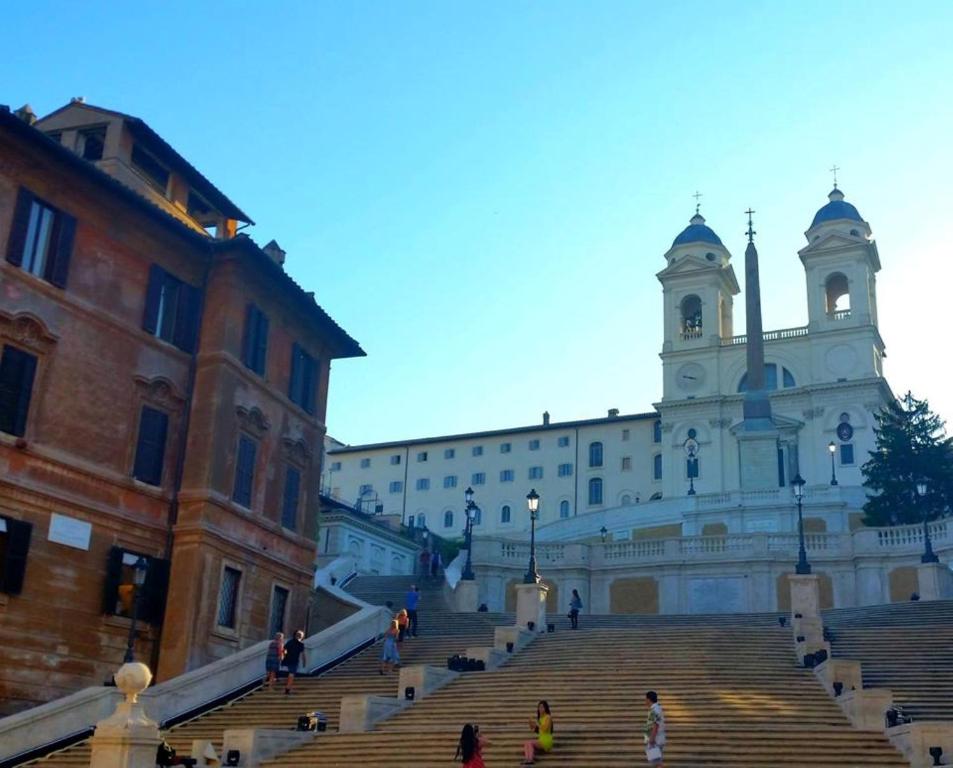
132, 679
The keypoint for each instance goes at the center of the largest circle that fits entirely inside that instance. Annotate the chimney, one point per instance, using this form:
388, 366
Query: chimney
78, 100
613, 413
275, 252
26, 114
545, 418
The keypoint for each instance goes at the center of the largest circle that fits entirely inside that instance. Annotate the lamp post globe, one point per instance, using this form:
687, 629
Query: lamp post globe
604, 532
803, 567
928, 556
832, 449
532, 503
139, 571
470, 511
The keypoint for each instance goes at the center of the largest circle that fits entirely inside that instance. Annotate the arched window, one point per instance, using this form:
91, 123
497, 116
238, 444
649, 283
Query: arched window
505, 513
657, 432
477, 516
771, 378
411, 522
837, 293
421, 520
448, 519
564, 508
691, 317
595, 454
657, 466
595, 491
625, 500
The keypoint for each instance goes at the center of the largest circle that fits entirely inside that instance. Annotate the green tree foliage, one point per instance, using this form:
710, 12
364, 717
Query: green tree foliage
912, 448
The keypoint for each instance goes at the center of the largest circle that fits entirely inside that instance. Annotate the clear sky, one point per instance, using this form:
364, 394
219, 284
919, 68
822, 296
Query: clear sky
481, 193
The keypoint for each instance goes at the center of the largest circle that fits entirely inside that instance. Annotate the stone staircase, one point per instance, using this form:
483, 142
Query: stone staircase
907, 647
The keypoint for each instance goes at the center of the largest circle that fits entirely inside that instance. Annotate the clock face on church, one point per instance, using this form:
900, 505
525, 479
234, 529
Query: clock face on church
690, 377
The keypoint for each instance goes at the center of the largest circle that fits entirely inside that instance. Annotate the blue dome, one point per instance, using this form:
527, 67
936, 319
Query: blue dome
836, 209
697, 232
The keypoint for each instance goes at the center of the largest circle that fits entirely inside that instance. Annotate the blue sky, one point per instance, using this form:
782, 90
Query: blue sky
481, 193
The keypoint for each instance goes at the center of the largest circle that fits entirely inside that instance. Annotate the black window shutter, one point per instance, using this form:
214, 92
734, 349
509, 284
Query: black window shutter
150, 317
18, 227
58, 269
27, 374
309, 383
294, 386
248, 343
152, 602
113, 575
150, 449
18, 546
244, 471
261, 350
17, 371
187, 318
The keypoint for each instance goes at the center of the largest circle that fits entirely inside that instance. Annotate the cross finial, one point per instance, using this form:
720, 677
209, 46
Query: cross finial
698, 197
834, 170
750, 233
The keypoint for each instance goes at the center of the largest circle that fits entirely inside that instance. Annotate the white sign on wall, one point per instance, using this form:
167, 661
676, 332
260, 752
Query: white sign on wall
717, 595
69, 531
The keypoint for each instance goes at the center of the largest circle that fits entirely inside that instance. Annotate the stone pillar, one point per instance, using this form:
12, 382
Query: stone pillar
934, 581
758, 455
466, 597
805, 595
127, 738
531, 606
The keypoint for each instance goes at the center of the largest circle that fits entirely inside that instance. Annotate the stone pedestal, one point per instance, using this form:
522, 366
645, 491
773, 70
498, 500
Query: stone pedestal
128, 738
531, 606
758, 459
466, 597
915, 739
360, 711
934, 581
424, 679
518, 637
257, 745
805, 596
866, 708
847, 672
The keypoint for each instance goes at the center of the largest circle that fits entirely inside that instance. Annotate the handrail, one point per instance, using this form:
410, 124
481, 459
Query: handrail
783, 333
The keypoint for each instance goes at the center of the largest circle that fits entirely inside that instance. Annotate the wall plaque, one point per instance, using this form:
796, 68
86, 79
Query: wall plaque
69, 531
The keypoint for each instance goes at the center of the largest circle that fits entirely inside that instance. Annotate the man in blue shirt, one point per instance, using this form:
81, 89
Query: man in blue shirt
410, 603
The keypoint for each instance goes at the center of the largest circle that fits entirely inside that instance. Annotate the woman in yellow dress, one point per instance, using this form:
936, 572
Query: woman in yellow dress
542, 724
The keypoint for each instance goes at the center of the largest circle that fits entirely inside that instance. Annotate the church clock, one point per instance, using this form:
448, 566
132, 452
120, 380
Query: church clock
690, 377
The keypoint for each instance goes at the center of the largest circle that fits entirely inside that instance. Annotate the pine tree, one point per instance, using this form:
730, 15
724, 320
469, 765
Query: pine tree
912, 448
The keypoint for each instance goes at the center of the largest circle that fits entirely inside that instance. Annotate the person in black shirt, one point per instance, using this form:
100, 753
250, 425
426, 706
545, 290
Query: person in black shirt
294, 655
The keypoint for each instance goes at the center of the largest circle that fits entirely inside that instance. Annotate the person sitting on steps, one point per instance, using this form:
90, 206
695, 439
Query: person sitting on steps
542, 724
470, 747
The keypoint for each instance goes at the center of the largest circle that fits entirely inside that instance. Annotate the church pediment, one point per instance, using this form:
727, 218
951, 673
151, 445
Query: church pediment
832, 241
783, 424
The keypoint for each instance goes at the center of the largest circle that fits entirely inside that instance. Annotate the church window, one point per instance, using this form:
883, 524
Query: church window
565, 470
448, 519
564, 508
837, 292
691, 317
450, 481
657, 466
595, 454
506, 475
535, 473
657, 432
626, 463
478, 478
595, 491
423, 483
846, 454
505, 513
771, 378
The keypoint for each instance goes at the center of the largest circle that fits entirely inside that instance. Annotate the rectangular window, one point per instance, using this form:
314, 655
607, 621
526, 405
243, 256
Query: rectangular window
847, 454
41, 239
244, 471
172, 309
365, 489
423, 483
626, 463
565, 470
279, 604
395, 459
14, 548
534, 445
289, 501
336, 466
422, 456
17, 371
119, 588
477, 450
563, 441
506, 447
303, 379
506, 475
450, 481
228, 597
255, 343
365, 463
657, 466
150, 448
449, 453
535, 473
396, 486
92, 143
479, 478
625, 435
156, 173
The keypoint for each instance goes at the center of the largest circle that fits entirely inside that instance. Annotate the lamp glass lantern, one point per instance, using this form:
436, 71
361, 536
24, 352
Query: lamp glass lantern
468, 495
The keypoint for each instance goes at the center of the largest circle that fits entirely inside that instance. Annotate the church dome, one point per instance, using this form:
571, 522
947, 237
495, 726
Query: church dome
697, 232
836, 209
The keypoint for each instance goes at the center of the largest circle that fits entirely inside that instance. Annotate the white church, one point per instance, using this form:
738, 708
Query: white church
690, 507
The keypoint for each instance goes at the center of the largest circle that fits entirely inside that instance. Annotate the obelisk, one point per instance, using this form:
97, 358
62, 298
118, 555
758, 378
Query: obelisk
758, 438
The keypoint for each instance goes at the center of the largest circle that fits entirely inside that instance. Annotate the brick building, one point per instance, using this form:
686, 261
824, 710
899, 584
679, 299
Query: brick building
163, 385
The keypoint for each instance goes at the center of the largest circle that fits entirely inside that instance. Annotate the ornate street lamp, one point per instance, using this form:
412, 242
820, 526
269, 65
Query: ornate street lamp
691, 449
929, 556
605, 532
803, 566
139, 571
532, 502
470, 511
833, 449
